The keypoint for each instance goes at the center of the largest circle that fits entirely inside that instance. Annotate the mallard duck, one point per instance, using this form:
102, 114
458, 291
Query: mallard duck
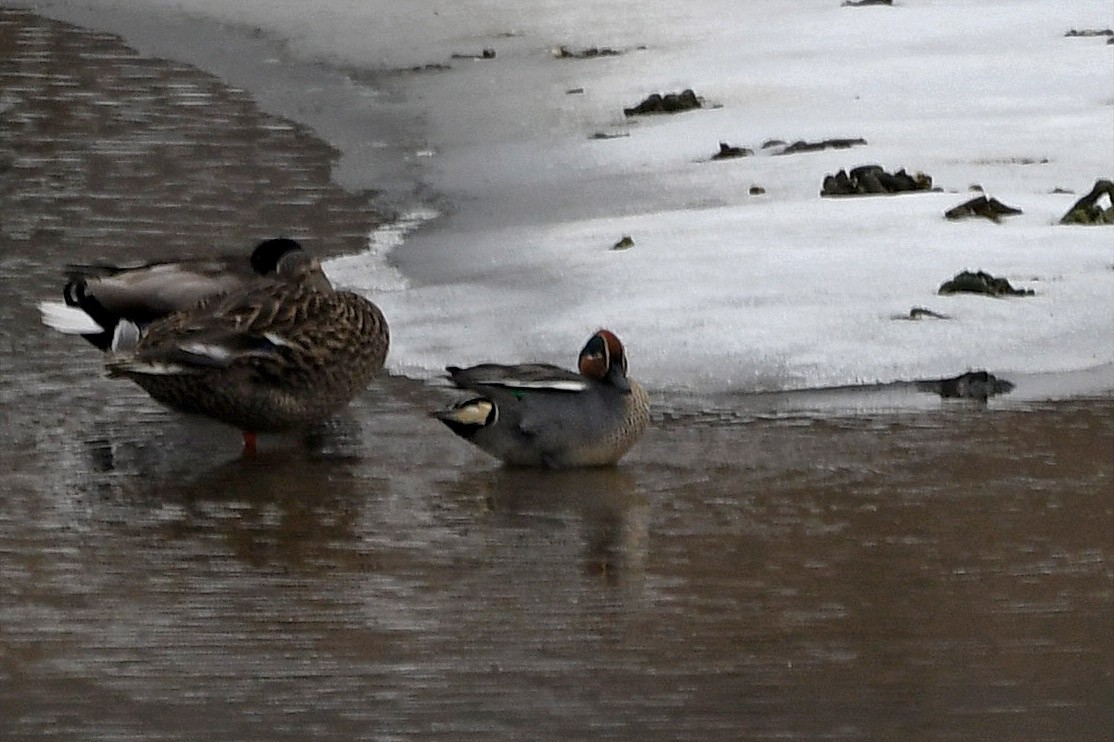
282, 353
543, 415
101, 300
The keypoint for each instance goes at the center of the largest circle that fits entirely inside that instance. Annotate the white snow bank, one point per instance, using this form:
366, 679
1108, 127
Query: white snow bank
724, 290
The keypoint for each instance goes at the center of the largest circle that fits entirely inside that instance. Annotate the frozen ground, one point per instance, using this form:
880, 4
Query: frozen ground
723, 290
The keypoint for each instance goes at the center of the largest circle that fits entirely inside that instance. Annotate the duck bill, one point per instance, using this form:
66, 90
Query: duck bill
618, 379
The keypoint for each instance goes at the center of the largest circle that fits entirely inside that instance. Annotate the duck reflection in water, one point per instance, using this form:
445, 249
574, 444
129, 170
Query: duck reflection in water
295, 507
612, 516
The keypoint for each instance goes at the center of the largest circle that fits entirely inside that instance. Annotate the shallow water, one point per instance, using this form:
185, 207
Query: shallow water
932, 575
860, 570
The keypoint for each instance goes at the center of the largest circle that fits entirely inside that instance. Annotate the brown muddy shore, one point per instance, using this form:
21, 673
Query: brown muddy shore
941, 571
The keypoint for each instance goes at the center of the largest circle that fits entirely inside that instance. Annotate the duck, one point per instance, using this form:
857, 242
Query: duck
282, 353
540, 415
101, 301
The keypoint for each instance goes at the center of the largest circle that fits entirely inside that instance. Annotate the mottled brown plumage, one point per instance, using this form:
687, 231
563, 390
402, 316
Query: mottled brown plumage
282, 354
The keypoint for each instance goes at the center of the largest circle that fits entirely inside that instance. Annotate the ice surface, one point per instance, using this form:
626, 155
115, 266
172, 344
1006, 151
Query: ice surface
725, 290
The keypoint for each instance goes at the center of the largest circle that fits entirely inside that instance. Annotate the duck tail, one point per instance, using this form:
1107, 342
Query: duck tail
67, 319
469, 417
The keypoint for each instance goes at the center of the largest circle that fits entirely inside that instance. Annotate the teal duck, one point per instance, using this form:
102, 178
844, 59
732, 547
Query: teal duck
102, 300
282, 353
546, 416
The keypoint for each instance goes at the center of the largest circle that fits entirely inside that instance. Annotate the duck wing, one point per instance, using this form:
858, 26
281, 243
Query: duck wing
516, 380
152, 291
274, 329
100, 298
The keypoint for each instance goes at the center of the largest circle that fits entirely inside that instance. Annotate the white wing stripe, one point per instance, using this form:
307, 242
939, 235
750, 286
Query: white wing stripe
560, 385
275, 339
216, 352
156, 369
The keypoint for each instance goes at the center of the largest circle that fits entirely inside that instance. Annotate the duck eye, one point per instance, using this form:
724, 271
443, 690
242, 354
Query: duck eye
596, 346
595, 350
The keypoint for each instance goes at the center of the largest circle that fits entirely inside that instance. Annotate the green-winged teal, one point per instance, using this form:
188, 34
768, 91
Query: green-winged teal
543, 415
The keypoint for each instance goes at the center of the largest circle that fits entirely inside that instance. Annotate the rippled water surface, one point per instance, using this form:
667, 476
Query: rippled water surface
932, 571
936, 575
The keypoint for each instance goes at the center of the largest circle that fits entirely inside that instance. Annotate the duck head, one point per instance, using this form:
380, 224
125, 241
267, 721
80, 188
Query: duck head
298, 265
267, 255
604, 359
